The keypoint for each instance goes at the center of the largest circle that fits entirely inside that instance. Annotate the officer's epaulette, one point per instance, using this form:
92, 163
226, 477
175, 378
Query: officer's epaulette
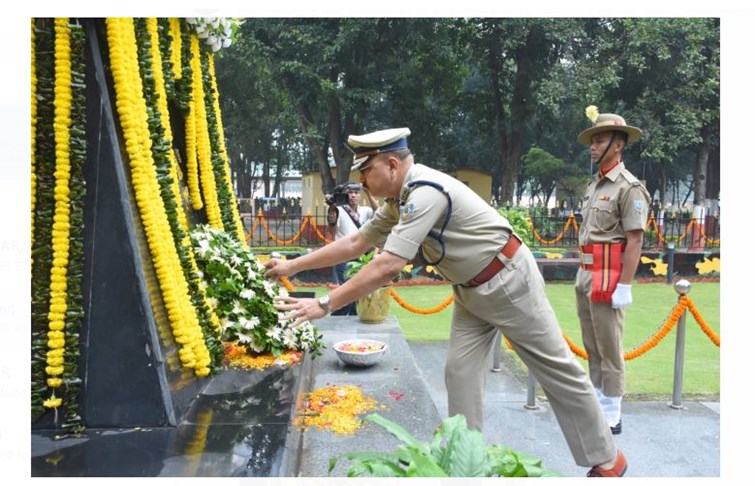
630, 177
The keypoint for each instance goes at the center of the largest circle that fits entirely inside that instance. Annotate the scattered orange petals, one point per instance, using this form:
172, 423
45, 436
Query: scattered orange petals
238, 357
334, 408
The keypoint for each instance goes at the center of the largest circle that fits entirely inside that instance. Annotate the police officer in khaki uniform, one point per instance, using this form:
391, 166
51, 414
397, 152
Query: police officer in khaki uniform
497, 286
615, 209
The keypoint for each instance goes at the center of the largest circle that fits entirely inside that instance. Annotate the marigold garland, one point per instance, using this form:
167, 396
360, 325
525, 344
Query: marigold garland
307, 220
417, 310
44, 212
33, 126
334, 408
653, 224
175, 47
237, 357
185, 98
681, 307
701, 322
204, 149
571, 221
233, 203
192, 169
179, 223
61, 221
131, 106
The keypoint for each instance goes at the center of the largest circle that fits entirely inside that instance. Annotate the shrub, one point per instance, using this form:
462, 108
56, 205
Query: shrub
455, 450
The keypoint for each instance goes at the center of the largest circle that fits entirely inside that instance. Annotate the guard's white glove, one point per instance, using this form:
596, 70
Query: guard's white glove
622, 296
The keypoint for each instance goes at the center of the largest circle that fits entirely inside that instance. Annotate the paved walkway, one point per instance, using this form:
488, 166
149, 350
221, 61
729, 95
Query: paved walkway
659, 441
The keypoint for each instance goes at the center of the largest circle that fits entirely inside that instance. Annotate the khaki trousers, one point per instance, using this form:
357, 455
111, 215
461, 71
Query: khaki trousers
603, 337
515, 303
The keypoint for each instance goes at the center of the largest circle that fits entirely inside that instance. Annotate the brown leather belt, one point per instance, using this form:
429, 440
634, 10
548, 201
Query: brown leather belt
496, 265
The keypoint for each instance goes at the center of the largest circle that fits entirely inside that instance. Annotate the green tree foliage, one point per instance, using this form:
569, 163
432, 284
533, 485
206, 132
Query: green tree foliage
542, 171
476, 93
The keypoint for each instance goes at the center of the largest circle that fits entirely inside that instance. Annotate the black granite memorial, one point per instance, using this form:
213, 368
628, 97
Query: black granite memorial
143, 415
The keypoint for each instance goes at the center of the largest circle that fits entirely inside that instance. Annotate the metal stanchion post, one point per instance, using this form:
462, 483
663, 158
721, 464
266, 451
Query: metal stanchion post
497, 352
531, 405
671, 249
682, 287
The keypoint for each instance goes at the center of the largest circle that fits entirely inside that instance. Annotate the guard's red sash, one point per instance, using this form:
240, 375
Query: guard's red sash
606, 270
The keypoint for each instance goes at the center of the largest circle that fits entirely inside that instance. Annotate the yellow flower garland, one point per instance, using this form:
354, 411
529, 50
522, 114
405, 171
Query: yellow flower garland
132, 112
192, 171
33, 127
175, 47
162, 106
204, 150
223, 153
61, 223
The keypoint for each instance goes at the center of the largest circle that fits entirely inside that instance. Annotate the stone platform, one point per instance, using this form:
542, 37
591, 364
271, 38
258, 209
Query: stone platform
239, 424
395, 383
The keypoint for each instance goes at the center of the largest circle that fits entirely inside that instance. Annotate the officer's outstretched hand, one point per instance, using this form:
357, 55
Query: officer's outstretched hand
276, 268
622, 296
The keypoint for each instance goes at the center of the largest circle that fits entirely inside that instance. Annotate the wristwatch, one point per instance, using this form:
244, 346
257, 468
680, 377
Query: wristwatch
324, 302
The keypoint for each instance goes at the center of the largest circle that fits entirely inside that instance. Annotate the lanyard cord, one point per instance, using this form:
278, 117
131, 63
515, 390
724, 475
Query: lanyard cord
433, 234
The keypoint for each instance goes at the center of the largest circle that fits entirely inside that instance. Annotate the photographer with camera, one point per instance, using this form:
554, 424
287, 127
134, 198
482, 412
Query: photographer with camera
346, 216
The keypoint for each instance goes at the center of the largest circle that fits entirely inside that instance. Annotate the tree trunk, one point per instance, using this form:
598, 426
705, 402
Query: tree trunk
494, 63
701, 167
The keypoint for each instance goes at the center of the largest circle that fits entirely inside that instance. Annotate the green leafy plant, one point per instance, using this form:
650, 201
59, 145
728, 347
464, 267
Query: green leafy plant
454, 451
353, 267
520, 221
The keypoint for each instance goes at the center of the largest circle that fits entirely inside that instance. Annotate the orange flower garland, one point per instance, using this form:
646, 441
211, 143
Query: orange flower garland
676, 314
417, 310
334, 408
571, 221
237, 357
701, 322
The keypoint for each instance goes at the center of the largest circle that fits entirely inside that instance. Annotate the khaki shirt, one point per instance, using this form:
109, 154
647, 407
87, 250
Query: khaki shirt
613, 204
473, 236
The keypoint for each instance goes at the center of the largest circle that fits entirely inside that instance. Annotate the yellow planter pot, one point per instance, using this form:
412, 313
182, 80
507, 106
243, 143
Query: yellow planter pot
373, 308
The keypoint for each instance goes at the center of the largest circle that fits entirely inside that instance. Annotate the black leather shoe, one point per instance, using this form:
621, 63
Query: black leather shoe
616, 429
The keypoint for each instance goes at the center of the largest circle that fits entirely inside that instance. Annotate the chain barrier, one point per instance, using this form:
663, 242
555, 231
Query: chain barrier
693, 222
570, 222
417, 310
684, 304
307, 220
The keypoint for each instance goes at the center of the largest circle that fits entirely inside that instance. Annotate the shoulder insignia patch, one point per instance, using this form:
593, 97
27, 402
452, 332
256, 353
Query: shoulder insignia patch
407, 211
639, 205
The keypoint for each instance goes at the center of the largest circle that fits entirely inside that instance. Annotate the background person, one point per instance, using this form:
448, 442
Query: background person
614, 212
497, 286
346, 219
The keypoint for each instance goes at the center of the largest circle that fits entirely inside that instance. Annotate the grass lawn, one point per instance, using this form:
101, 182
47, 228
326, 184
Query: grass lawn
649, 374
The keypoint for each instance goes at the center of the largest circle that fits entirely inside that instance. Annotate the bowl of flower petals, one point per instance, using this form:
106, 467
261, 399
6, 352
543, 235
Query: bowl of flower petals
360, 352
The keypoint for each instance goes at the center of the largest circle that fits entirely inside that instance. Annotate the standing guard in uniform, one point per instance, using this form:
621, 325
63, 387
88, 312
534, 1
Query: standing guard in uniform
496, 282
614, 212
